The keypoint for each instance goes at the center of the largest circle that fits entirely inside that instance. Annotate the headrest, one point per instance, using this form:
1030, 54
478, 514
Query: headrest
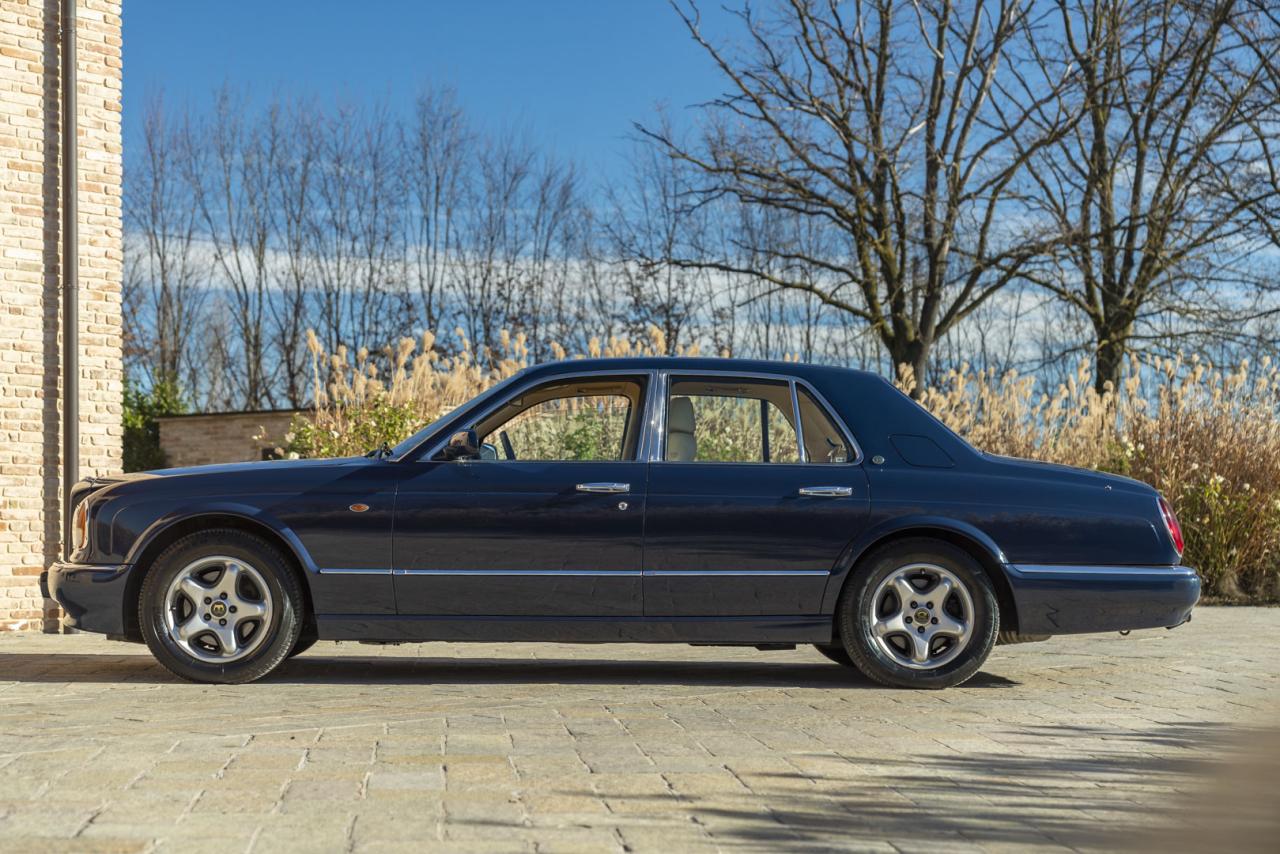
680, 415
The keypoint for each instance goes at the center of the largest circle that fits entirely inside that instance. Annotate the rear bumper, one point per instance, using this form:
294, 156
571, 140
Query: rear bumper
1063, 600
92, 595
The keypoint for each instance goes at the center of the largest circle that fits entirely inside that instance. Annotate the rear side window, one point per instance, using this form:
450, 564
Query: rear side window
723, 420
823, 440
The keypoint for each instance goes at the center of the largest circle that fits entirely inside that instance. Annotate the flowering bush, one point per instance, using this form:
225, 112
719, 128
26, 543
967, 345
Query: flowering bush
1208, 439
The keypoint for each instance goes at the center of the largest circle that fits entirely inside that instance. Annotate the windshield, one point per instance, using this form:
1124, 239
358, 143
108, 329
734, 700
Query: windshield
483, 397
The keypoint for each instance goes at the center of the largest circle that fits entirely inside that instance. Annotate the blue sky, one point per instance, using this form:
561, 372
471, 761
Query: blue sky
575, 73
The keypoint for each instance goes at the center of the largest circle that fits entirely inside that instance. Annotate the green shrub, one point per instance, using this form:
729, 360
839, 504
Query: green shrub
141, 433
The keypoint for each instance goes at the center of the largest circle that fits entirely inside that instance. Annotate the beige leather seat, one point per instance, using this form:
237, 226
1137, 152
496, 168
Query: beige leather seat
681, 444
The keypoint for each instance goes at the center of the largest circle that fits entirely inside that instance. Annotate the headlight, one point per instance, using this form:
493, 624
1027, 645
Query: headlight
80, 526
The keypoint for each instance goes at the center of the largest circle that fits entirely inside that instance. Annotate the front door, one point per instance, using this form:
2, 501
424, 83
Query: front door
547, 519
746, 515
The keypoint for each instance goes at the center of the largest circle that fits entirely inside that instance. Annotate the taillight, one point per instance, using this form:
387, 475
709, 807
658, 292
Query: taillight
1171, 523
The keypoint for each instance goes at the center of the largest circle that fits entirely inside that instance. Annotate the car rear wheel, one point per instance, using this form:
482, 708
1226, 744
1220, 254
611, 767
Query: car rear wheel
918, 614
221, 606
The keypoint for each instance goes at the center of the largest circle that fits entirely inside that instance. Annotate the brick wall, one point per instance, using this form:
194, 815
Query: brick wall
194, 440
30, 301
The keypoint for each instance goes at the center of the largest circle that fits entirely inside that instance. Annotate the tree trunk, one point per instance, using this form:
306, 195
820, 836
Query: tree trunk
910, 363
1108, 360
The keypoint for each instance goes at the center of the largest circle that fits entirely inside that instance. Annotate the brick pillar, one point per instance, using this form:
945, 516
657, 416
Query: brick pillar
30, 303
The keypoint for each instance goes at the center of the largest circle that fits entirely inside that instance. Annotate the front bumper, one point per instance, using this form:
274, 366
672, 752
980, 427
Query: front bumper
1064, 600
92, 595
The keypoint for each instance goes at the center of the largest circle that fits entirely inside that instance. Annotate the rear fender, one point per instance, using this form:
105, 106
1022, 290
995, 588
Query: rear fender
942, 527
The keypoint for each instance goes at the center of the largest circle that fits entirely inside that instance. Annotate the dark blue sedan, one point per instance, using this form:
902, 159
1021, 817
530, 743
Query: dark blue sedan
673, 500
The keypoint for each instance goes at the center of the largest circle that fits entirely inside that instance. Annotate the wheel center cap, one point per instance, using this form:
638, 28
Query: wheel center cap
922, 616
218, 609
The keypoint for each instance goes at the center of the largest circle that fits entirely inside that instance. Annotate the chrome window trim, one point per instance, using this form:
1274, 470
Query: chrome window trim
653, 417
533, 382
801, 454
658, 423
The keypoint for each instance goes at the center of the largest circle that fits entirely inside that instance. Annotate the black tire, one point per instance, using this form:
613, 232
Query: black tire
854, 615
305, 642
835, 652
283, 587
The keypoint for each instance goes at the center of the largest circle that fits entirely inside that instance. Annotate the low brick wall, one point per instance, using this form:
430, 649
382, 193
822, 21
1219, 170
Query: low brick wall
224, 437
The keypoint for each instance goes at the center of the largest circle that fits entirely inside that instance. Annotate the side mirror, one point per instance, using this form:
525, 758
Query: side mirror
488, 451
464, 445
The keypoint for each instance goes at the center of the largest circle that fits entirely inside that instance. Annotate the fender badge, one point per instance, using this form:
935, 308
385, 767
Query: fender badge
358, 508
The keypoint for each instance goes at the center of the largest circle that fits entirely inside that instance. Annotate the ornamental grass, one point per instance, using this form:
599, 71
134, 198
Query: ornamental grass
1207, 437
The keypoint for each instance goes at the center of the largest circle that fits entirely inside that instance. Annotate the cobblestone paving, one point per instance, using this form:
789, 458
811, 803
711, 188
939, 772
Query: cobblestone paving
1080, 742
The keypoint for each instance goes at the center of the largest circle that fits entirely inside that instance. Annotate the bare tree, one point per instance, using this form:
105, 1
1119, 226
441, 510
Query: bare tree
293, 207
875, 118
548, 288
436, 145
167, 271
1154, 189
230, 166
356, 231
652, 226
600, 312
494, 238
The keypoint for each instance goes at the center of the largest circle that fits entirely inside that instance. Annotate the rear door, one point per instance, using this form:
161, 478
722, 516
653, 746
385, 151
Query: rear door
746, 515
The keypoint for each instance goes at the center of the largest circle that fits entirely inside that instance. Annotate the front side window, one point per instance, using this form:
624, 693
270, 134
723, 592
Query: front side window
595, 419
723, 420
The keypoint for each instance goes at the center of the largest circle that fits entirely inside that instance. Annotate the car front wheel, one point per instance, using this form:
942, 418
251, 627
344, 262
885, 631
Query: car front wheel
221, 606
305, 642
918, 614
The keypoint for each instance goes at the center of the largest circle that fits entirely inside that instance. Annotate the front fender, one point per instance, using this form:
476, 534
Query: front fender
136, 527
923, 524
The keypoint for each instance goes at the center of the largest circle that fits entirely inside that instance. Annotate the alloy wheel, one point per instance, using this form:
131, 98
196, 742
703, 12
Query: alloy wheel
922, 616
218, 609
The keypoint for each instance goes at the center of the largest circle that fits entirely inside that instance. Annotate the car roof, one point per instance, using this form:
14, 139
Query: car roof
687, 363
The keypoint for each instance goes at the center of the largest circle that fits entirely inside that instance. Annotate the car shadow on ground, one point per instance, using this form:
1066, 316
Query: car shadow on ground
319, 669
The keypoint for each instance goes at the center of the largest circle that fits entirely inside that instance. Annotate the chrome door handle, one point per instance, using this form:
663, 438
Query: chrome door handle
604, 487
827, 491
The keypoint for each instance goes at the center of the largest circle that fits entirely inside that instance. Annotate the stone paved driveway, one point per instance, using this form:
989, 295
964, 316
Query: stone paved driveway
1078, 742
